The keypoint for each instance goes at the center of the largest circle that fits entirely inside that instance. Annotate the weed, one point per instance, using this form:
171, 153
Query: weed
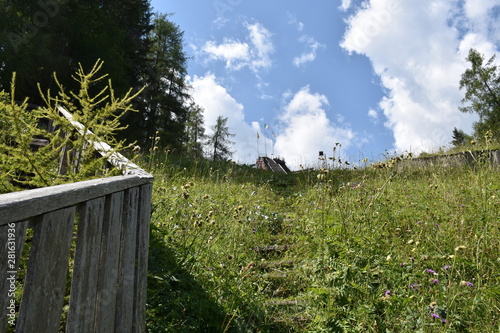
403, 249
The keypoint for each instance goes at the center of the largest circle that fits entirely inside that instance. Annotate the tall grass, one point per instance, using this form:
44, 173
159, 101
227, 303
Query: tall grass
400, 249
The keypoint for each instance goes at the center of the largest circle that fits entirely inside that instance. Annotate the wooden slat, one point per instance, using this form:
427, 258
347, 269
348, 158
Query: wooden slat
125, 295
43, 294
83, 294
18, 206
142, 259
109, 263
10, 243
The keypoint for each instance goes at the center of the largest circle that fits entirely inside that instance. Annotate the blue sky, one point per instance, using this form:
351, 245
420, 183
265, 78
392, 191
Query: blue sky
376, 76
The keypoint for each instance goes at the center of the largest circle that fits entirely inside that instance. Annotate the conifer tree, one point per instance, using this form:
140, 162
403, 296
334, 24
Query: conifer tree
219, 141
68, 153
195, 131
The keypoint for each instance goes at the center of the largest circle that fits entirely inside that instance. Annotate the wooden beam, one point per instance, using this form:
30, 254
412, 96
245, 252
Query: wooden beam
18, 206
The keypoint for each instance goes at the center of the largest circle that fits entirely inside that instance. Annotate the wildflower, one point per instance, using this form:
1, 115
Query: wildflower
433, 315
466, 283
460, 247
389, 258
414, 286
136, 149
387, 293
430, 271
435, 281
410, 242
447, 267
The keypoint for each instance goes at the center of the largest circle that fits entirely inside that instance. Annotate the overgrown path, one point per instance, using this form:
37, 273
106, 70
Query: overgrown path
394, 249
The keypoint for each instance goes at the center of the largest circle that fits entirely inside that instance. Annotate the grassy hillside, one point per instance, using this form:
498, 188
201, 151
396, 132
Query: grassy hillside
235, 249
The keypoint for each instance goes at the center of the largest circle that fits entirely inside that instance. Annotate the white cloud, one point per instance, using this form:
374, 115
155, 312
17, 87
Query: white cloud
217, 101
255, 53
373, 114
236, 54
262, 46
346, 4
306, 129
419, 56
292, 19
310, 55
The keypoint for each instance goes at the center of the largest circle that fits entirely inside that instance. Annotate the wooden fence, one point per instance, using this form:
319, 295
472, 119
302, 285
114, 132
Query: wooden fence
95, 232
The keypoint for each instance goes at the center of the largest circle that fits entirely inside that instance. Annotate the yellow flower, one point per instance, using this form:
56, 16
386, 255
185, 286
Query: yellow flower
460, 247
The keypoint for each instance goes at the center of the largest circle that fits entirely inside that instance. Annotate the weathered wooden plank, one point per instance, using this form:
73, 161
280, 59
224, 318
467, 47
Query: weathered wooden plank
44, 287
126, 276
18, 206
109, 263
83, 294
115, 158
12, 236
142, 259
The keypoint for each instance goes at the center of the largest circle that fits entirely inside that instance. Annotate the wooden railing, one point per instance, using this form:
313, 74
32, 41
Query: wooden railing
88, 244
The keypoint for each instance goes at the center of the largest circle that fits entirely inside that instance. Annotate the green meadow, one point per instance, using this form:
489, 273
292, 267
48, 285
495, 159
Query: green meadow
390, 249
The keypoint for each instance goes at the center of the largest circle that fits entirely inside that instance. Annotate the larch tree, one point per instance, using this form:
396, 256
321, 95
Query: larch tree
195, 130
219, 141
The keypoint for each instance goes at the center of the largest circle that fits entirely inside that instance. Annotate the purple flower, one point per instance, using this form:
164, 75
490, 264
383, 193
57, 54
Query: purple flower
414, 286
470, 284
430, 271
412, 259
387, 293
433, 315
447, 267
435, 281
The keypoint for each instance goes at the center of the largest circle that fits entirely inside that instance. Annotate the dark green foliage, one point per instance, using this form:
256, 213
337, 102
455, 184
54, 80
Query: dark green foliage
164, 100
460, 138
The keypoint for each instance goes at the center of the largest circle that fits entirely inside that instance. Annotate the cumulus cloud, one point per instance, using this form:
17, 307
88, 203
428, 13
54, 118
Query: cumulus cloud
306, 129
234, 53
217, 101
303, 127
418, 49
310, 55
254, 53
